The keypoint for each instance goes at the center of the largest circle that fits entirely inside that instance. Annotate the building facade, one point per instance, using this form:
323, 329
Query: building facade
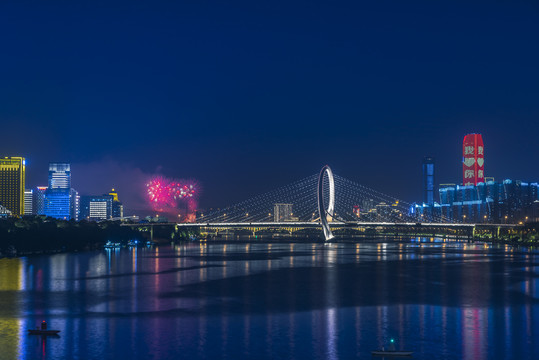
57, 204
60, 176
282, 212
96, 208
117, 206
28, 202
510, 201
429, 192
58, 196
12, 182
39, 200
473, 160
74, 204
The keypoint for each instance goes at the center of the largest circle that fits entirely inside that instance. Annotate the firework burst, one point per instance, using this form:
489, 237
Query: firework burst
166, 195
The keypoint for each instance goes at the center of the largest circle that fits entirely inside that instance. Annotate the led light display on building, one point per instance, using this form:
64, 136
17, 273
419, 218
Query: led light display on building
473, 160
12, 177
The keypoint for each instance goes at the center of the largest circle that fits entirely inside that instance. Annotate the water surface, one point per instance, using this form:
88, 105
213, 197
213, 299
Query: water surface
440, 299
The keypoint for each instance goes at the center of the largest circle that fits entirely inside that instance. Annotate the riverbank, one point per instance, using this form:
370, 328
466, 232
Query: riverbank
527, 235
41, 235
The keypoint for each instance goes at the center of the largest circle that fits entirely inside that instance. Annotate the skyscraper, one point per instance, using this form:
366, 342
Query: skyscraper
28, 202
38, 202
12, 176
96, 208
473, 160
74, 204
428, 180
117, 206
58, 195
59, 176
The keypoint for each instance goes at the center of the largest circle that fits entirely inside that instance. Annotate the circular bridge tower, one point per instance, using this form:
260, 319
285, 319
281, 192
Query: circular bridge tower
326, 215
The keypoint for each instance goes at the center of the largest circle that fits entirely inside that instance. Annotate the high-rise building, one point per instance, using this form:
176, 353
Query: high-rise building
117, 210
75, 204
509, 201
428, 180
39, 200
114, 195
282, 212
95, 208
473, 160
117, 206
12, 177
57, 202
59, 176
28, 202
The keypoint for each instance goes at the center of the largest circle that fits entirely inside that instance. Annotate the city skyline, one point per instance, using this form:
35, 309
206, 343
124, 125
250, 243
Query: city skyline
381, 87
269, 179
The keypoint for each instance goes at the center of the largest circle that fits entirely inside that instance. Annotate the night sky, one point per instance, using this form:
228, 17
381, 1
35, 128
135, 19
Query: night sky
248, 96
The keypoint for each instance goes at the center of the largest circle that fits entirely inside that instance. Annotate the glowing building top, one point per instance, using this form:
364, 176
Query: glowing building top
59, 176
114, 195
473, 160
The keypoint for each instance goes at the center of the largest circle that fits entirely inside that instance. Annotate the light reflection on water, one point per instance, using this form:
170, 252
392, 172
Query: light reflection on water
438, 298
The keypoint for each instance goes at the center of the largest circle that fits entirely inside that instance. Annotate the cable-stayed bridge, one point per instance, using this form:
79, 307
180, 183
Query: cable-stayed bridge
352, 202
329, 203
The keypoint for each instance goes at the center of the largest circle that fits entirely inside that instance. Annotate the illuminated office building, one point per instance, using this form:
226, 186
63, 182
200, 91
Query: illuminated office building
96, 208
57, 202
28, 202
59, 176
510, 201
38, 202
428, 180
74, 204
117, 206
12, 177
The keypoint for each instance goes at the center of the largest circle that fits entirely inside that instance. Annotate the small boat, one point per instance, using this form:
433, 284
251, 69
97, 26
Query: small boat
111, 245
43, 330
391, 353
132, 243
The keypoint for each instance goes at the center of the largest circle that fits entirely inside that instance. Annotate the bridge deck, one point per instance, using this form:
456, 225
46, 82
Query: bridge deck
306, 224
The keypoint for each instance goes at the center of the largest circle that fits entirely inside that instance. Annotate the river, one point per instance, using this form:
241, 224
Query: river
440, 299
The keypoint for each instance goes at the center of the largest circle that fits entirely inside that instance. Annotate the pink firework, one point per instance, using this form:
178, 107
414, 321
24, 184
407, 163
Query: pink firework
159, 193
182, 190
165, 195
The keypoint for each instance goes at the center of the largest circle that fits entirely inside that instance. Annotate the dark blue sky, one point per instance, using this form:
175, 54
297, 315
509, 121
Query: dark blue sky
248, 96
